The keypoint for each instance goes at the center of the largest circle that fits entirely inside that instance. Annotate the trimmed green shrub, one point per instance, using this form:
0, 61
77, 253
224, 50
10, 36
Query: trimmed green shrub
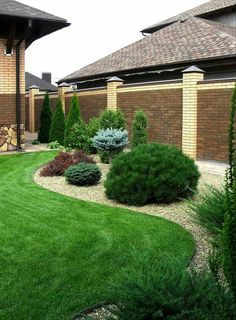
78, 138
139, 129
164, 289
152, 173
45, 120
83, 174
57, 130
112, 119
73, 117
229, 231
210, 209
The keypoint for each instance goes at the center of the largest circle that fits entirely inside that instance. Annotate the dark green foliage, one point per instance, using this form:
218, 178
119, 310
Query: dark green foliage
112, 119
139, 129
83, 174
57, 130
229, 232
163, 289
104, 156
151, 173
45, 120
73, 117
92, 128
210, 209
78, 138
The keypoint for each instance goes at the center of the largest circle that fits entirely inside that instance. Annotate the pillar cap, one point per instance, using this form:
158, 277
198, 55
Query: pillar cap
115, 79
193, 69
33, 87
64, 84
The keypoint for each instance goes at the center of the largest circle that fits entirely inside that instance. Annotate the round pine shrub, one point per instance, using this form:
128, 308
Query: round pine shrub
83, 174
151, 173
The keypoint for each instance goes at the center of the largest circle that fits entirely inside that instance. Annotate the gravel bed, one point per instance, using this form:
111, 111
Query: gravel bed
177, 212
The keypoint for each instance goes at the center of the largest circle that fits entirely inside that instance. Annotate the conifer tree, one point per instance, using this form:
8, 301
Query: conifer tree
57, 130
139, 129
45, 120
73, 117
229, 230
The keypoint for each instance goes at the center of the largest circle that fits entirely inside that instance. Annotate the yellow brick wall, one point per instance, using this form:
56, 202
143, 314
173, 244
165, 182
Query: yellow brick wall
189, 118
8, 69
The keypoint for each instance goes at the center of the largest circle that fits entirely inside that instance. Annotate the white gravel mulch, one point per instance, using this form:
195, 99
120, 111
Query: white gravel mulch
177, 212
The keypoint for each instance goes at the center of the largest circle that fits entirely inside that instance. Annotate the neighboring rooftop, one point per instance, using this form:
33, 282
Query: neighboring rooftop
195, 39
203, 10
43, 85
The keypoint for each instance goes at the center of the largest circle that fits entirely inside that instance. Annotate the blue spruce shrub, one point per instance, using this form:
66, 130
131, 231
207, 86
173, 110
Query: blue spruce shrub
152, 173
111, 141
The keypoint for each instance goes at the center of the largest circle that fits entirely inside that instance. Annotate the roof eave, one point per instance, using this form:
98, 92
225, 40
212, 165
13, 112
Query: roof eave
118, 72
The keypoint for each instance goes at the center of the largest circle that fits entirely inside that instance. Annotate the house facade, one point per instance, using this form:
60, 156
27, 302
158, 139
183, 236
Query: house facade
20, 26
182, 74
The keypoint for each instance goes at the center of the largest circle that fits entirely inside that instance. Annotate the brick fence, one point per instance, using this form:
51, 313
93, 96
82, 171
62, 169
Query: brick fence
191, 113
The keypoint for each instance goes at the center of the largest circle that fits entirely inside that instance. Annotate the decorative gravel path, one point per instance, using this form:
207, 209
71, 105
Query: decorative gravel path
177, 212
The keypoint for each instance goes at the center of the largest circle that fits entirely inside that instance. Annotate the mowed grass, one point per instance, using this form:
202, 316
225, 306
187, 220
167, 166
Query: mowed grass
57, 254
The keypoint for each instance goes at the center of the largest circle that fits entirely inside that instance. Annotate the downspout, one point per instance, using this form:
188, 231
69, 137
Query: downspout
18, 97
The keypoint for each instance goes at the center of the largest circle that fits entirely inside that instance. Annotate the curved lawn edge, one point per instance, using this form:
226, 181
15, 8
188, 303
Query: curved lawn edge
182, 218
58, 253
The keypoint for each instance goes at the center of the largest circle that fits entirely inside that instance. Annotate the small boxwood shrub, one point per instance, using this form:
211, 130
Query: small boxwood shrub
62, 161
83, 174
151, 173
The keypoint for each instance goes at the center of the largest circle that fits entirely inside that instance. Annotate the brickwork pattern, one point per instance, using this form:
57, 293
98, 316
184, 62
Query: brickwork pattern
213, 123
90, 105
163, 109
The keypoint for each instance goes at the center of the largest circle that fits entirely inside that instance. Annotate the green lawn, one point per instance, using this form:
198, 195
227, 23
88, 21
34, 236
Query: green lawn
57, 253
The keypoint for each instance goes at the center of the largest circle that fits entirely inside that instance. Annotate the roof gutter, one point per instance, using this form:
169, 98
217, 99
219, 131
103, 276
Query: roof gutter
18, 97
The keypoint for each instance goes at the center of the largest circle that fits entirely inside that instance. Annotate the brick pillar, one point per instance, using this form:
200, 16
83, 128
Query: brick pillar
189, 126
62, 89
33, 90
112, 85
8, 125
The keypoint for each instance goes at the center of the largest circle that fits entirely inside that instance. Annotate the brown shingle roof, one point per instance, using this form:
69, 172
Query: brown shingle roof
199, 11
194, 39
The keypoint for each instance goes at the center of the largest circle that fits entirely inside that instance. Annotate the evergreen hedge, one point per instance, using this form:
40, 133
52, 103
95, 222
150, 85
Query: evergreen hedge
57, 130
45, 120
73, 117
139, 129
83, 174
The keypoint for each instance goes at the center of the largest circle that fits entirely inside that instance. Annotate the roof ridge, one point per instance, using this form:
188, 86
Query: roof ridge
200, 10
215, 25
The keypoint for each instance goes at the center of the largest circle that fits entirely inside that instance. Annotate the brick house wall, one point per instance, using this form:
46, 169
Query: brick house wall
8, 135
163, 109
90, 104
213, 123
